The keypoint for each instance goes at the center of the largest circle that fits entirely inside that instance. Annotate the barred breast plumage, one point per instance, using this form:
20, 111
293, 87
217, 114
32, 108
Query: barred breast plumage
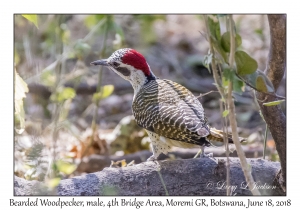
170, 110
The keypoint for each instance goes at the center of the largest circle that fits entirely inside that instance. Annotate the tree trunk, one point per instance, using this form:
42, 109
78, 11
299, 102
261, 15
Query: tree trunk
273, 115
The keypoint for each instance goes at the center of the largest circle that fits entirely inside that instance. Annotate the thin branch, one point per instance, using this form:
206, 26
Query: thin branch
239, 149
213, 63
94, 29
265, 141
225, 139
204, 94
231, 107
99, 89
198, 153
232, 120
232, 42
162, 180
65, 54
254, 88
204, 35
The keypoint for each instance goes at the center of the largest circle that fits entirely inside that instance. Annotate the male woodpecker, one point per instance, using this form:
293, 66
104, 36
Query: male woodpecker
170, 113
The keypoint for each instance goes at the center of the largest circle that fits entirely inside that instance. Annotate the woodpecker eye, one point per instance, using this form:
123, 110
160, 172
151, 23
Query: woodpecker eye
115, 64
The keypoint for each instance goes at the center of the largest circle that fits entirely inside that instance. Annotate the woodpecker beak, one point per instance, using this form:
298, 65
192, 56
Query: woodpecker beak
100, 63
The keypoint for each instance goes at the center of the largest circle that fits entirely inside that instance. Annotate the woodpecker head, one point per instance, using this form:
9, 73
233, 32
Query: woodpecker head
129, 64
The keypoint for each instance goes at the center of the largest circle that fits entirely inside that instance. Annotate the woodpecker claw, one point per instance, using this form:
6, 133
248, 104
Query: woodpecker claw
152, 158
203, 155
209, 155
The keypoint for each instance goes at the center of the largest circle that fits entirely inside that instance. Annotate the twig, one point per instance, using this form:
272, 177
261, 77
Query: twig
247, 83
232, 42
213, 64
99, 89
94, 29
198, 153
204, 35
232, 120
204, 94
58, 71
64, 54
162, 181
265, 141
225, 138
231, 106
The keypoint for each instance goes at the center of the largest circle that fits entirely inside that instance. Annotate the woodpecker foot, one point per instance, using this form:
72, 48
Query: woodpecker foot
152, 158
203, 155
208, 155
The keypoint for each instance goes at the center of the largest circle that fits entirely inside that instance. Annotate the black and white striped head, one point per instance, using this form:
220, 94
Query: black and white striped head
130, 65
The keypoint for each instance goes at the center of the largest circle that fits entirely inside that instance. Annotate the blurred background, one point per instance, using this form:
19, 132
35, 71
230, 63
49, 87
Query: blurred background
78, 118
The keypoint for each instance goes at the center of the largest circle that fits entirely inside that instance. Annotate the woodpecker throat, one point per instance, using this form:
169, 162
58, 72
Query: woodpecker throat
170, 113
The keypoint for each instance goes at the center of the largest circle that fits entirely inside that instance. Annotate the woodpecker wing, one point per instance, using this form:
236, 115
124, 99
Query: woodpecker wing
170, 110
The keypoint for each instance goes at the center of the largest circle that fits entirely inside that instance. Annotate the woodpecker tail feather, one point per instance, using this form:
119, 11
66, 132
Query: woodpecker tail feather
218, 135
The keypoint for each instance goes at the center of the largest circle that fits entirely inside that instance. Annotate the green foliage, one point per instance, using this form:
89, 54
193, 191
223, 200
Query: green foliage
225, 41
214, 27
251, 78
207, 61
20, 90
32, 18
60, 168
244, 63
119, 36
273, 103
215, 35
245, 66
260, 81
104, 24
54, 43
225, 113
35, 151
64, 167
229, 75
118, 30
267, 81
259, 31
48, 78
107, 91
65, 34
92, 20
16, 57
54, 182
62, 94
103, 93
146, 23
35, 166
238, 85
261, 84
81, 48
